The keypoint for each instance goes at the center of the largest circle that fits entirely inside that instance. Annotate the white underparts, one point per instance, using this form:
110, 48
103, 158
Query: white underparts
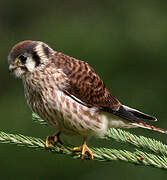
115, 121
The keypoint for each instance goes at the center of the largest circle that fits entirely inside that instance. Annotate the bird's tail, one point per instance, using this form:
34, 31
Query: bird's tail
135, 118
142, 124
139, 114
148, 126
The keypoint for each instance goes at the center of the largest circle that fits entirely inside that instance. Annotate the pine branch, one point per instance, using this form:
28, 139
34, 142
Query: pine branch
100, 154
139, 141
137, 157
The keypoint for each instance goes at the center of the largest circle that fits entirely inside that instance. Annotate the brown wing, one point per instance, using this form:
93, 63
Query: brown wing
85, 84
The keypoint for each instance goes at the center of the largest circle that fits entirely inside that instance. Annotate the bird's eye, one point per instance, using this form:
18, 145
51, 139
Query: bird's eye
23, 59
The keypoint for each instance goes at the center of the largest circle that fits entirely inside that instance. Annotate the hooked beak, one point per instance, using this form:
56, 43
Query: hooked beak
12, 68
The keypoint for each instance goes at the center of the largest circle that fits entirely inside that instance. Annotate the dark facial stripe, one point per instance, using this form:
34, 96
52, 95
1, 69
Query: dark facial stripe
36, 59
46, 50
24, 68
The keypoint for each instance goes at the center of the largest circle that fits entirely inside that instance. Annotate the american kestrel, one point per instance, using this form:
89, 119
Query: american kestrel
69, 95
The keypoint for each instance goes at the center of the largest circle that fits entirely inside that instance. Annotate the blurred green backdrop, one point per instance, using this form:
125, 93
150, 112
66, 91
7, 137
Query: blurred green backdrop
125, 42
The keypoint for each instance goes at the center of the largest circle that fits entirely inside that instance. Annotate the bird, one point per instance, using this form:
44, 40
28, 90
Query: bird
70, 96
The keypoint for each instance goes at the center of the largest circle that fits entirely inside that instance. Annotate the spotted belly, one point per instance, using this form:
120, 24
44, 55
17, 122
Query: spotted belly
67, 115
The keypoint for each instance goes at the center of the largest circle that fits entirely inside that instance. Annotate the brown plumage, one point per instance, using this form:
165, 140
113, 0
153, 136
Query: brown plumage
69, 95
84, 83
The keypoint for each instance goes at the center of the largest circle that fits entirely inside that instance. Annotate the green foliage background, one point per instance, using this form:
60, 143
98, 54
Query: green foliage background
125, 42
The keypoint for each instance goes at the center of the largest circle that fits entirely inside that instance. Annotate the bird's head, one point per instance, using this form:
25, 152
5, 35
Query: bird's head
28, 55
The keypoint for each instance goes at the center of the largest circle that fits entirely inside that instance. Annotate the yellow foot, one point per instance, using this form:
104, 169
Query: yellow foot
53, 140
83, 149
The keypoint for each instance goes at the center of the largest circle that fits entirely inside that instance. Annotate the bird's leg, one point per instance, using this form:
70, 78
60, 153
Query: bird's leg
53, 140
83, 149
